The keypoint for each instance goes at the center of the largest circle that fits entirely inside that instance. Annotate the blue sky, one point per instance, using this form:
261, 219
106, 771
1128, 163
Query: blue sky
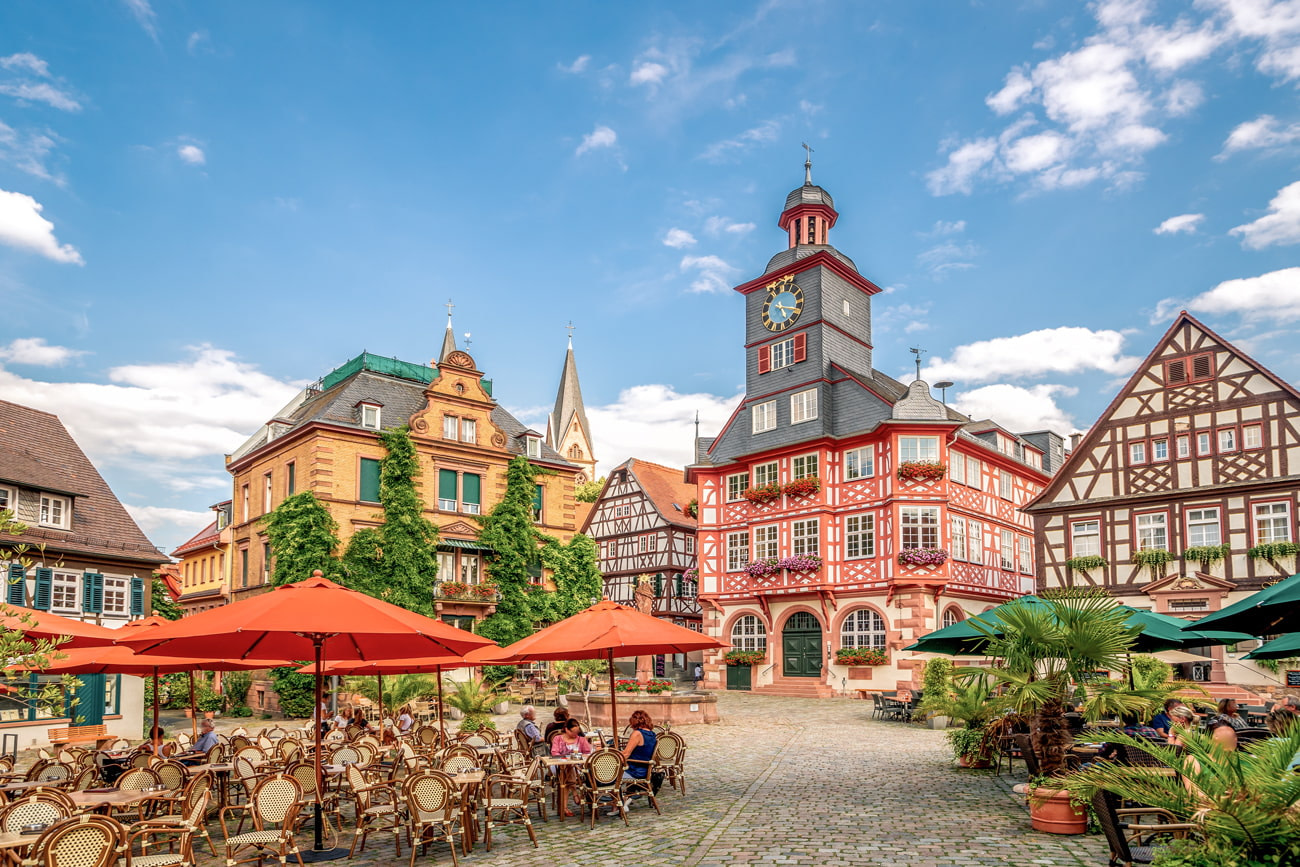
203, 206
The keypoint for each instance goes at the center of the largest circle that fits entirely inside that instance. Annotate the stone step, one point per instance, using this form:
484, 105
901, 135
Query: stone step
1220, 691
796, 688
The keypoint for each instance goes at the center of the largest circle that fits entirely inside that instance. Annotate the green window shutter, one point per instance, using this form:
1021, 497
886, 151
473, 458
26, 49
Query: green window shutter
369, 481
44, 589
470, 488
537, 503
137, 597
92, 593
446, 484
677, 587
659, 584
16, 591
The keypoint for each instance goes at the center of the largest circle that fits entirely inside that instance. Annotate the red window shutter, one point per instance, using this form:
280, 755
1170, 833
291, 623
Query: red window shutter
1176, 372
764, 359
800, 347
1201, 367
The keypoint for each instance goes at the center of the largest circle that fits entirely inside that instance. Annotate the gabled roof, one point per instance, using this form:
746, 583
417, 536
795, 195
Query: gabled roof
204, 538
664, 487
37, 451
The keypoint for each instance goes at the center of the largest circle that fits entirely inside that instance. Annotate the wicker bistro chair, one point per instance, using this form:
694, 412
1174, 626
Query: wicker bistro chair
87, 840
273, 807
305, 774
1131, 843
505, 802
136, 780
84, 779
33, 810
432, 812
376, 809
670, 753
633, 787
604, 780
54, 773
198, 790
179, 835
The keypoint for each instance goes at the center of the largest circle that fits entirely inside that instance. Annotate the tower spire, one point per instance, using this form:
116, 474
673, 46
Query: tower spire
807, 166
567, 429
449, 337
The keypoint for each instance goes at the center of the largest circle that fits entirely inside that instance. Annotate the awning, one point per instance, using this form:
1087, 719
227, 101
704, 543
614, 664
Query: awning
464, 545
1178, 656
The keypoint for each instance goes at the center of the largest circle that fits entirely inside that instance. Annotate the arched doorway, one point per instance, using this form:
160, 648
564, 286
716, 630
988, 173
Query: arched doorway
801, 646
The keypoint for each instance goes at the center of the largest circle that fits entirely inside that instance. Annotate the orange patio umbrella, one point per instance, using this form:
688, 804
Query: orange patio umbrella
316, 619
39, 625
605, 630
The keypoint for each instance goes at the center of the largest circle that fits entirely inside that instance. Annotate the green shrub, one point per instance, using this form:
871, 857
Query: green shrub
241, 710
297, 691
235, 686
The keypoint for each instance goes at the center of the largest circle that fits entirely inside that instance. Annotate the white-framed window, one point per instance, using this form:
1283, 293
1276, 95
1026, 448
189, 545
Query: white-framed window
748, 633
975, 541
1005, 485
690, 589
957, 469
803, 406
243, 501
863, 628
859, 463
689, 543
783, 353
1184, 446
446, 566
736, 485
1026, 555
468, 430
266, 492
534, 446
765, 542
737, 551
370, 416
765, 474
803, 467
764, 416
450, 427
920, 526
1252, 436
1137, 453
469, 568
1203, 527
642, 544
975, 473
860, 536
1153, 531
117, 593
54, 511
1227, 439
1085, 539
1203, 443
1008, 547
918, 449
804, 537
958, 538
1272, 522
952, 616
6, 499
64, 592
1160, 450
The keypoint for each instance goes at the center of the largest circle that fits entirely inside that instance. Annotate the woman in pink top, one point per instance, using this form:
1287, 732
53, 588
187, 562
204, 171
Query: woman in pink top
570, 742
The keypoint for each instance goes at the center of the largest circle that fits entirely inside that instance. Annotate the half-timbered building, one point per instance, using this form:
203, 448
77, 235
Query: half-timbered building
1183, 496
838, 508
643, 524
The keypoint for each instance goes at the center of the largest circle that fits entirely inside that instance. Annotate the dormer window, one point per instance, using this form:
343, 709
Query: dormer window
533, 445
54, 512
368, 414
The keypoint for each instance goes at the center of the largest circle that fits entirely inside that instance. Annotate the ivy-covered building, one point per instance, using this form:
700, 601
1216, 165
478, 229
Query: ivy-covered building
327, 441
81, 555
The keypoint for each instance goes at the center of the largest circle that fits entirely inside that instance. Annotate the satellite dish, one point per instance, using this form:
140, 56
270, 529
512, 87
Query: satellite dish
943, 387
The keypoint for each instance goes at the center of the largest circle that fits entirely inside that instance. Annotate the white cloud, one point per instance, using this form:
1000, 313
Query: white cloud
712, 273
577, 66
911, 317
719, 225
1018, 409
949, 256
36, 352
40, 91
199, 41
22, 226
1274, 24
1262, 133
966, 162
1063, 350
1014, 91
1181, 224
600, 137
26, 61
192, 154
946, 227
144, 16
153, 519
1281, 225
721, 151
1274, 296
656, 423
678, 238
29, 151
648, 72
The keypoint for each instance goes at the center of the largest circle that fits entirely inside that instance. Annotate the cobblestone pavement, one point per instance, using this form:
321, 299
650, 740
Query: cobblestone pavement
784, 781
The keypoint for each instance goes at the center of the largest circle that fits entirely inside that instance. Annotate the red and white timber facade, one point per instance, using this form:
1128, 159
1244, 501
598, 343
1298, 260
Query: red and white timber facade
817, 415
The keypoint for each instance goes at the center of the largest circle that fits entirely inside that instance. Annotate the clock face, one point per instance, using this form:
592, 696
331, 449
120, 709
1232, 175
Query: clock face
783, 305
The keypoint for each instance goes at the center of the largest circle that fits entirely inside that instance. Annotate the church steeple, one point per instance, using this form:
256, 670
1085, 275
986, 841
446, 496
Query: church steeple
809, 211
449, 338
567, 429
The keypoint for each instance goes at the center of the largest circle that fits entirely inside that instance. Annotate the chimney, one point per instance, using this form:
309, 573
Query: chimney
1075, 439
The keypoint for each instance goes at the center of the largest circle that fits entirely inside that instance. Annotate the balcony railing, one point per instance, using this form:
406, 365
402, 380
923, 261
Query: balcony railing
456, 591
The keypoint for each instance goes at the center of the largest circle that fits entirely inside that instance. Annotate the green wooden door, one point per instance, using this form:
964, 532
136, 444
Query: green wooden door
739, 676
801, 646
89, 709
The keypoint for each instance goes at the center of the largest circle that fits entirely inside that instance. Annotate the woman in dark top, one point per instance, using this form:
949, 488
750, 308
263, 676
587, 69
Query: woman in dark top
561, 717
640, 746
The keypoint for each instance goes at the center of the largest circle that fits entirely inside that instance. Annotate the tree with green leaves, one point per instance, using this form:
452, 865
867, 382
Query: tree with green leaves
510, 532
303, 537
163, 604
576, 573
589, 492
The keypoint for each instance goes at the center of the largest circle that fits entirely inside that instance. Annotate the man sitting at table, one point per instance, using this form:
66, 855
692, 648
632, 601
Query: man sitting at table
528, 725
207, 740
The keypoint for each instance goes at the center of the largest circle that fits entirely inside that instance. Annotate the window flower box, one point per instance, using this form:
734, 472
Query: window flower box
763, 494
921, 471
800, 563
452, 589
744, 657
1086, 562
922, 557
861, 656
759, 568
802, 487
1206, 554
1154, 559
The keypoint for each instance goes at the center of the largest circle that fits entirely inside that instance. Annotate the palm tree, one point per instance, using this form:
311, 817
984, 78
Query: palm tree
398, 688
475, 699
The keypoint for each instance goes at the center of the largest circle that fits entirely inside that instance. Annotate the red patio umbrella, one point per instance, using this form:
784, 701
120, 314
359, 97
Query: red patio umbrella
39, 625
314, 618
605, 630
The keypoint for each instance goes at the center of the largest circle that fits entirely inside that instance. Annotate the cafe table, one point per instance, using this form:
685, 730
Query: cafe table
23, 785
14, 846
468, 783
89, 801
563, 781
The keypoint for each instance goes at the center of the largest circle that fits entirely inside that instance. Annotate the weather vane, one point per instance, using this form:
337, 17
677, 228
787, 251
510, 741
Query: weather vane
449, 305
807, 164
918, 352
570, 328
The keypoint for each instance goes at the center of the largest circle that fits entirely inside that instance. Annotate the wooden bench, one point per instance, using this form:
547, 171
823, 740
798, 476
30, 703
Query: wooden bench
98, 735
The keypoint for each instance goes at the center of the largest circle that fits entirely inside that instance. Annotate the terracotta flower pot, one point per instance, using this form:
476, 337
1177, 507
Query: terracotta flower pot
1050, 811
976, 762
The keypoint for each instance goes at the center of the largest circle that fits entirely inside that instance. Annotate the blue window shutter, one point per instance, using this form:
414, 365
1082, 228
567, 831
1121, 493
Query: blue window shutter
44, 589
92, 593
16, 591
137, 597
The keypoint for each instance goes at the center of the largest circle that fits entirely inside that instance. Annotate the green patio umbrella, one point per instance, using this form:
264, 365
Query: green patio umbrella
1286, 647
1272, 610
962, 638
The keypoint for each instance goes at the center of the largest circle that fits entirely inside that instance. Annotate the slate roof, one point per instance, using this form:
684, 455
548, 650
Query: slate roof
666, 488
802, 251
809, 194
568, 403
36, 451
202, 539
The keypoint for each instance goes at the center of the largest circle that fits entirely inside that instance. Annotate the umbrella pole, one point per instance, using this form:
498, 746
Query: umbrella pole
318, 852
613, 700
153, 735
441, 734
194, 710
383, 733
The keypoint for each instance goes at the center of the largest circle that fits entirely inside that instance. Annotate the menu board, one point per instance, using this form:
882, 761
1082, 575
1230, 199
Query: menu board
1292, 677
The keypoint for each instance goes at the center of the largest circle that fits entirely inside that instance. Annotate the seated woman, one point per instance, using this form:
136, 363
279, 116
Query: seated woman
569, 741
1180, 723
560, 724
359, 718
405, 722
639, 749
